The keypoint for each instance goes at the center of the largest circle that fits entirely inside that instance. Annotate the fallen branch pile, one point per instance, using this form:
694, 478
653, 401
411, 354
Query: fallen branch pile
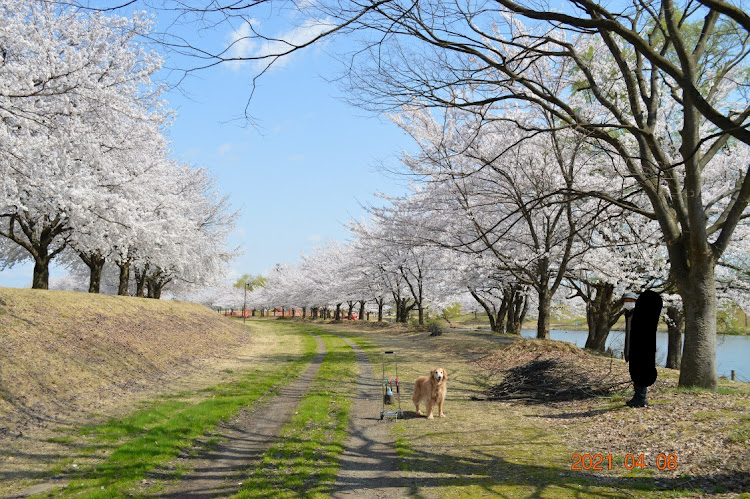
552, 380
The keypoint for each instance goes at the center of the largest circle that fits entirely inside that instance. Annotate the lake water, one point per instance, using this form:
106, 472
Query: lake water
732, 352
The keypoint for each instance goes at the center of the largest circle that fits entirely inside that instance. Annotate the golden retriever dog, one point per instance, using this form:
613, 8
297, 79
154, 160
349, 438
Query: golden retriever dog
430, 391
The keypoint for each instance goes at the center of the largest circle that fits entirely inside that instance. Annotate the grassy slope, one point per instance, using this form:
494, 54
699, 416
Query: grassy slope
61, 352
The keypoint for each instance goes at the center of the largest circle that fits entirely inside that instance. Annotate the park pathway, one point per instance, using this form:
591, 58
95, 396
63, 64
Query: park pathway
369, 465
219, 470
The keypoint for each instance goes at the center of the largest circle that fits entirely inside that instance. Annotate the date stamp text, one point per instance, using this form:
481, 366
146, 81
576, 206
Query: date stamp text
601, 462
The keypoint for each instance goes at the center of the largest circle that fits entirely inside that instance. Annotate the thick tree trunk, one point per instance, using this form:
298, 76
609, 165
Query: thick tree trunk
38, 242
505, 310
599, 316
40, 279
518, 306
350, 304
493, 321
675, 327
698, 366
380, 310
337, 316
544, 320
95, 277
140, 282
361, 309
598, 333
95, 263
122, 289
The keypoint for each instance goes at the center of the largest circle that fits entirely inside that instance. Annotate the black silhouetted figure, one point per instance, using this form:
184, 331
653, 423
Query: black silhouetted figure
642, 351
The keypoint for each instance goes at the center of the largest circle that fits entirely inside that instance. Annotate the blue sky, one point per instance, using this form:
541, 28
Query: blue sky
298, 175
306, 167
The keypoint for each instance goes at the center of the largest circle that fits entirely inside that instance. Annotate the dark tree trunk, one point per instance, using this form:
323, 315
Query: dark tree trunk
505, 310
361, 309
600, 312
122, 289
140, 283
406, 307
544, 322
350, 304
95, 263
489, 310
38, 242
40, 279
517, 308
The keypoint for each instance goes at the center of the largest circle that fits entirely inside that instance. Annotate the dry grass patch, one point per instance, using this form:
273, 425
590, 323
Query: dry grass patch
62, 351
706, 432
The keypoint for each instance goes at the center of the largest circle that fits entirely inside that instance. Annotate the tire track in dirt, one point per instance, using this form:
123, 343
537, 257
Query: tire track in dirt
369, 463
218, 471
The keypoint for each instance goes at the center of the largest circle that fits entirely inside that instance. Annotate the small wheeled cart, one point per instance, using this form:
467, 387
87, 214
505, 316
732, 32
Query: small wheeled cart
391, 390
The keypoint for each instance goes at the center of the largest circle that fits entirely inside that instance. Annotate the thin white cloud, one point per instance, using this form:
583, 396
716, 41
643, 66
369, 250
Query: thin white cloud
243, 44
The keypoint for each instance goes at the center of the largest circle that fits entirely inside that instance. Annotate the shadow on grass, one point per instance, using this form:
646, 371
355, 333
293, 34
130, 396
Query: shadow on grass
481, 473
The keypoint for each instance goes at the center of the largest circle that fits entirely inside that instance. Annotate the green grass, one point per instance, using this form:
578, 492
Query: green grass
153, 436
305, 461
740, 433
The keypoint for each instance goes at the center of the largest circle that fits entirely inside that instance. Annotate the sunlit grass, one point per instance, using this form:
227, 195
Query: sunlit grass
154, 435
305, 461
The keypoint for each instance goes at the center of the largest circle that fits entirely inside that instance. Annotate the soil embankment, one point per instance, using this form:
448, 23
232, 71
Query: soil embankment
65, 353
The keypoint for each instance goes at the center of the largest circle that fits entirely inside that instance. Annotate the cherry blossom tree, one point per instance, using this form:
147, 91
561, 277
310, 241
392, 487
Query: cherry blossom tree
72, 89
502, 182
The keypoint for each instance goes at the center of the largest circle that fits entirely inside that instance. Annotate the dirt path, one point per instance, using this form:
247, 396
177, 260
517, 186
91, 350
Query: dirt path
218, 470
369, 465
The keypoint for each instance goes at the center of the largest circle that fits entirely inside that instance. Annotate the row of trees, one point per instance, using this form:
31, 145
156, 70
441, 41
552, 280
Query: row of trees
85, 167
492, 221
653, 92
